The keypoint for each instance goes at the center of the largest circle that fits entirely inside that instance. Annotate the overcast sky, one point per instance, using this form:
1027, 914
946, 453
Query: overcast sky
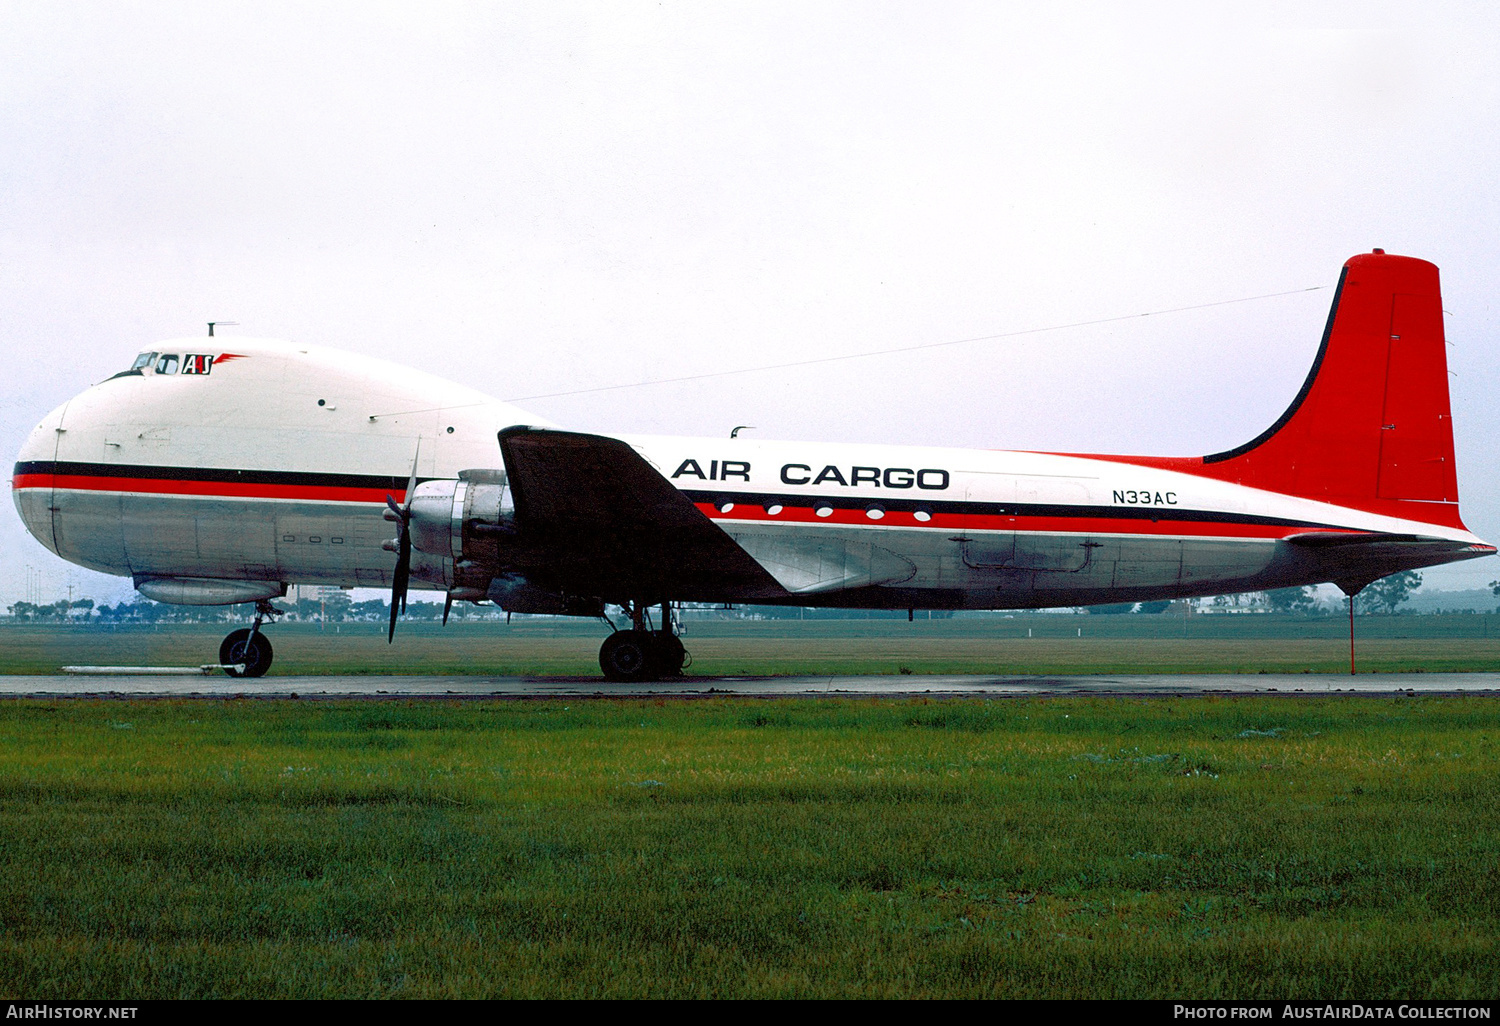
545, 198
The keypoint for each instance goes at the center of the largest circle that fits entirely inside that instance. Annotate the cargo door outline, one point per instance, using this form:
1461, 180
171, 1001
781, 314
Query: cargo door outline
1029, 551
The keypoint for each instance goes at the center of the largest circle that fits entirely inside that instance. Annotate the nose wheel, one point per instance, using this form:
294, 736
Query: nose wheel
247, 648
641, 654
247, 652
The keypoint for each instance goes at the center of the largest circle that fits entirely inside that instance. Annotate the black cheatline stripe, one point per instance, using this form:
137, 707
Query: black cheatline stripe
1312, 375
213, 474
895, 505
1004, 509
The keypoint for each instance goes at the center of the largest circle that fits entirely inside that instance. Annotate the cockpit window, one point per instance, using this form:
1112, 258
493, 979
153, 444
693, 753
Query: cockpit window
143, 361
167, 364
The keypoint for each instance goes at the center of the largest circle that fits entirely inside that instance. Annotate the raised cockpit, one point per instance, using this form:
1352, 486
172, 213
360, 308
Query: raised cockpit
157, 362
152, 362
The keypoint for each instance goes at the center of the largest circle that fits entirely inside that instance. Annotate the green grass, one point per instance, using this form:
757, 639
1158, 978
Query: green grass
1109, 644
1251, 848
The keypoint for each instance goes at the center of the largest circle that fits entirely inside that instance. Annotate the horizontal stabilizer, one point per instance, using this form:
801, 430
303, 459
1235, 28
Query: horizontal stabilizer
1373, 541
1353, 560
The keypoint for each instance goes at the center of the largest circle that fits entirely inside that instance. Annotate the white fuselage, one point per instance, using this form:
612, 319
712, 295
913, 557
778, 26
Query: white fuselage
276, 464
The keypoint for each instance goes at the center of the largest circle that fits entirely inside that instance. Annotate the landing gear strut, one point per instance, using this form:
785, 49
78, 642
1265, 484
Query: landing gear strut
641, 653
248, 647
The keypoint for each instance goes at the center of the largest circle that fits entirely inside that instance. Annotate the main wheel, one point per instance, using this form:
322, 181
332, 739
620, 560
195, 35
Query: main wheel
667, 654
626, 656
240, 647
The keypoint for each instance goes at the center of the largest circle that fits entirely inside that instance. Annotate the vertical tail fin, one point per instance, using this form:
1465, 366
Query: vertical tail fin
1372, 426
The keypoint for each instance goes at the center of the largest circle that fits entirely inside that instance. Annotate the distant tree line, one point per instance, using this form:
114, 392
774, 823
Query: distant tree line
139, 611
1383, 596
29, 612
336, 608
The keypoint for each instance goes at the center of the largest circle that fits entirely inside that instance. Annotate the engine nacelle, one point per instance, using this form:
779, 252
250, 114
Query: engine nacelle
440, 511
469, 521
449, 519
515, 594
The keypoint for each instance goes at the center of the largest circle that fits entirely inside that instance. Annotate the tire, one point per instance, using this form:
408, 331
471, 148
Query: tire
239, 648
625, 656
668, 654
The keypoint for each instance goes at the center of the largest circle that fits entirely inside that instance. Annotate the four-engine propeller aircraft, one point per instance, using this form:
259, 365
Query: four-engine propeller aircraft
222, 475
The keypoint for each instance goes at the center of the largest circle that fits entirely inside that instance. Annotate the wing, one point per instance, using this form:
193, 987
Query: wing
594, 518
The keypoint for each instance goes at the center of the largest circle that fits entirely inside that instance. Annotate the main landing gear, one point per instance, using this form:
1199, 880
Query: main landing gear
641, 653
247, 652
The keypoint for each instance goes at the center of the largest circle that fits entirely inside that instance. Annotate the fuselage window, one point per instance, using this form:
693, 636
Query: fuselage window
167, 364
143, 361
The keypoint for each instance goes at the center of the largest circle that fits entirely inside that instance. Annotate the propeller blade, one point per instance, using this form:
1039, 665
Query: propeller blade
399, 582
403, 568
411, 482
401, 515
447, 605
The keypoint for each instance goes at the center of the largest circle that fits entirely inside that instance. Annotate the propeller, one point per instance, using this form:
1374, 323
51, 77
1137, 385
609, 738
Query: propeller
401, 516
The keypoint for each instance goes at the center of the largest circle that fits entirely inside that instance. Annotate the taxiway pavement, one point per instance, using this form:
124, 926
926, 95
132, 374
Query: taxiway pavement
996, 686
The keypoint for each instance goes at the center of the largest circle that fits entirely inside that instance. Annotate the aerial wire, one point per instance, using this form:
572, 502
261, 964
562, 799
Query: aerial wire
911, 349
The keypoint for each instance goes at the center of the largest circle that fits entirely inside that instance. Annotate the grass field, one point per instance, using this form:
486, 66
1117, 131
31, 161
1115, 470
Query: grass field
544, 647
1212, 847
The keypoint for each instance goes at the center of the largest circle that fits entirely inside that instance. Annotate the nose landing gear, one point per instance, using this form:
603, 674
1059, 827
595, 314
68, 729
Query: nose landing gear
247, 652
641, 654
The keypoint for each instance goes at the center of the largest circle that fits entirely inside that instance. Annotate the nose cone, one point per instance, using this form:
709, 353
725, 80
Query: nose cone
31, 482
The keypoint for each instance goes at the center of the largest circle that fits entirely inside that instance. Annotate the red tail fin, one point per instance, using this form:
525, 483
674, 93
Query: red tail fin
1371, 427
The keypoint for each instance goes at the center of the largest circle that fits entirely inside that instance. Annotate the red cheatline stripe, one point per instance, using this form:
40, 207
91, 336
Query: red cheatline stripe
790, 514
210, 489
990, 522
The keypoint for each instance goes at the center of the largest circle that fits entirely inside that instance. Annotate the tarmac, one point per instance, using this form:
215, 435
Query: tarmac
140, 682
